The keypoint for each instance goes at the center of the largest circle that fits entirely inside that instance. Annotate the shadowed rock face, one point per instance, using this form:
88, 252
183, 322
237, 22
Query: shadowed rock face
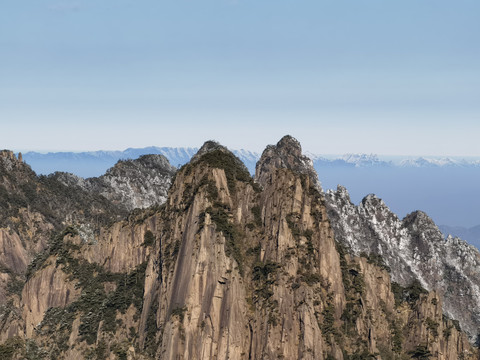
228, 269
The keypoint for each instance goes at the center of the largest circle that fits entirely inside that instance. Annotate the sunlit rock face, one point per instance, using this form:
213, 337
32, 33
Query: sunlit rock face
231, 267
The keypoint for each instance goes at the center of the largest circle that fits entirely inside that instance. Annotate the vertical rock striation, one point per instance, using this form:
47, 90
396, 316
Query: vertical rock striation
235, 267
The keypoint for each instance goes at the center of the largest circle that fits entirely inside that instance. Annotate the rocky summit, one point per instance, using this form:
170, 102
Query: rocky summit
216, 264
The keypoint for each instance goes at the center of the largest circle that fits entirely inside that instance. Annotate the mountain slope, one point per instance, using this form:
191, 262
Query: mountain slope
229, 268
413, 248
35, 208
129, 184
406, 183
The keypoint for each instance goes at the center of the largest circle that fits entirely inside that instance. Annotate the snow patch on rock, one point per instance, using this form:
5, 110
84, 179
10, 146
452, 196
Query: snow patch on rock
414, 248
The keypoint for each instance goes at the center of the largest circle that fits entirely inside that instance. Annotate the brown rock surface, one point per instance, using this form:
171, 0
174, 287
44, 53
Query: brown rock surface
230, 268
47, 288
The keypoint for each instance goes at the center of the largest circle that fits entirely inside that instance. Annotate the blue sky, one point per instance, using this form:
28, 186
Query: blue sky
374, 76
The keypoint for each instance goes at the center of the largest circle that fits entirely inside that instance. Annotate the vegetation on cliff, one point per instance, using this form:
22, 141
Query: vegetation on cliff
230, 267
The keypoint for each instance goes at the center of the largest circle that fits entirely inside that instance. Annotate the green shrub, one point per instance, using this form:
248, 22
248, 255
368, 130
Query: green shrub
264, 276
212, 191
15, 285
148, 238
311, 278
292, 220
397, 336
432, 326
359, 355
410, 294
257, 215
447, 331
151, 329
377, 260
231, 233
11, 347
101, 350
352, 311
179, 312
309, 236
264, 271
327, 324
94, 304
120, 351
421, 352
233, 167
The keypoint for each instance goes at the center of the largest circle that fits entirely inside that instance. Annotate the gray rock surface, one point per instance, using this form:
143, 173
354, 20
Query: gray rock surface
414, 248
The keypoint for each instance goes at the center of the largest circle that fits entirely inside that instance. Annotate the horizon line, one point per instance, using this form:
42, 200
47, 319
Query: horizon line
305, 152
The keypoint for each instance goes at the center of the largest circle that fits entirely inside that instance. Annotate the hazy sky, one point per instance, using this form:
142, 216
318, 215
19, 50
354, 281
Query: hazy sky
388, 77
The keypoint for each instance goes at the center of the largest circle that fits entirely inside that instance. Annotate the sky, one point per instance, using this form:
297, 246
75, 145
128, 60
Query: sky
342, 76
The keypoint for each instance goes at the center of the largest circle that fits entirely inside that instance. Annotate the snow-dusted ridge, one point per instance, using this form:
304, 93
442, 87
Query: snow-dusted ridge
131, 184
414, 248
438, 162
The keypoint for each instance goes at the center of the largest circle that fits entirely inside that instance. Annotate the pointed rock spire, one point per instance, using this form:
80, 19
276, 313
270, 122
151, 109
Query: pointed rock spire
286, 154
208, 146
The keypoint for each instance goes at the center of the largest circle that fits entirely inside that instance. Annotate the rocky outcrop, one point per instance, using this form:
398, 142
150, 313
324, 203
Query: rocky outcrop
33, 208
286, 154
137, 184
129, 184
121, 247
413, 248
230, 267
47, 288
13, 254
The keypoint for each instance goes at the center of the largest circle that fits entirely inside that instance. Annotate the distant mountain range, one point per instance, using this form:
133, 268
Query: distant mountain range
471, 235
95, 163
373, 160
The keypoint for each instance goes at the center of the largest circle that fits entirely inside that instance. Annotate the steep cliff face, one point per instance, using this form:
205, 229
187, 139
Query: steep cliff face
20, 217
235, 287
286, 154
33, 208
29, 203
47, 288
229, 268
414, 248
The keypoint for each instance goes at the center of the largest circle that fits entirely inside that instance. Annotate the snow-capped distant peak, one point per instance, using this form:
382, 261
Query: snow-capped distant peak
437, 162
361, 159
